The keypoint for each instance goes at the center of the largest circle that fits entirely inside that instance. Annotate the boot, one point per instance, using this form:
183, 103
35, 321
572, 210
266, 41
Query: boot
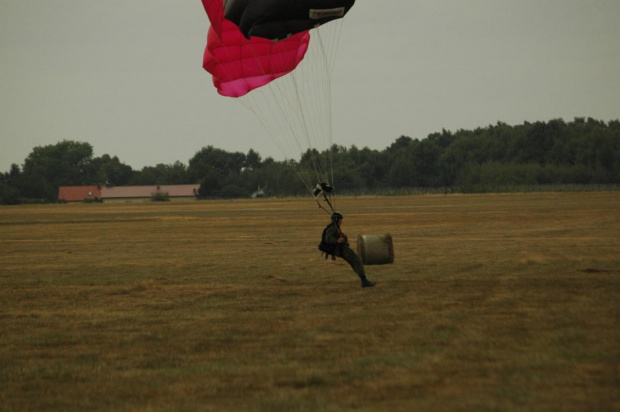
367, 283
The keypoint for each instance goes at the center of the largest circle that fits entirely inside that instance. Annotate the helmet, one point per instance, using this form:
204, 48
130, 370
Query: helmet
336, 216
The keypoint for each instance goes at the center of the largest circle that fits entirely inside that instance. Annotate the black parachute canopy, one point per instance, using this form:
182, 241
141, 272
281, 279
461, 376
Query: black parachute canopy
278, 19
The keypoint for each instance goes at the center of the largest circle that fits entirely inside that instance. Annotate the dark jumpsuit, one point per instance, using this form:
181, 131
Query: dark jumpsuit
343, 250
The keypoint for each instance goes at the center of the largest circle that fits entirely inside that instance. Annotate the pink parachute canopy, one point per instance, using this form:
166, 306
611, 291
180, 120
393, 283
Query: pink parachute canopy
239, 65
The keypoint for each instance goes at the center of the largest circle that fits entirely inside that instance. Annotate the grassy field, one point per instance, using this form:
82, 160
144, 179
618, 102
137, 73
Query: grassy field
493, 303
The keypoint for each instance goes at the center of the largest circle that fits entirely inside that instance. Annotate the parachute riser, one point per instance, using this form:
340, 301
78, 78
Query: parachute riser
326, 201
325, 190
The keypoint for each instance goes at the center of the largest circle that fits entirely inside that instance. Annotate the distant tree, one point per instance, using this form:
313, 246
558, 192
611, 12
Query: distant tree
9, 195
443, 139
210, 158
282, 178
370, 167
210, 184
402, 143
582, 151
252, 160
402, 172
425, 156
162, 174
109, 170
48, 167
233, 191
536, 144
13, 174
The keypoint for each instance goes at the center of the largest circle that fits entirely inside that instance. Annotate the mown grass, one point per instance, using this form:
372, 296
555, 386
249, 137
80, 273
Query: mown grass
494, 303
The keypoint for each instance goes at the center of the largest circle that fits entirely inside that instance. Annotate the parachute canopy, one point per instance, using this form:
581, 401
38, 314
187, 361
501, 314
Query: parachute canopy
259, 51
239, 65
279, 19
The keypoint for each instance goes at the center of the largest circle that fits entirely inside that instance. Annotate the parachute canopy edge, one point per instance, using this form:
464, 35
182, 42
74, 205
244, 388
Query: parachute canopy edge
279, 19
239, 65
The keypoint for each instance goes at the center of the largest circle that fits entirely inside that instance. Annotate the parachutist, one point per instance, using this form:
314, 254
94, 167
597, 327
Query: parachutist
335, 243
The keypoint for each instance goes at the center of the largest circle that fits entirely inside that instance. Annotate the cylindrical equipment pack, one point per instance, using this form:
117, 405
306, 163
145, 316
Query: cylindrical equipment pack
375, 249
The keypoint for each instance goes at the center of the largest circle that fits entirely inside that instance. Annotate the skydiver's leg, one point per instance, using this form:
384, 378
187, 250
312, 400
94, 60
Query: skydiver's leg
352, 259
356, 264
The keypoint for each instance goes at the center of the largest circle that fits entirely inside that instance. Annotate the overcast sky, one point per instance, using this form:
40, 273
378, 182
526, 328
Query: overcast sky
126, 75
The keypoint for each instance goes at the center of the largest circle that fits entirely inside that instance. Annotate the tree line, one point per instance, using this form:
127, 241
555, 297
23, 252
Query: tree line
583, 151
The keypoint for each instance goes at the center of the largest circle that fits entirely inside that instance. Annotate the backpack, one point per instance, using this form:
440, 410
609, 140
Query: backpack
328, 249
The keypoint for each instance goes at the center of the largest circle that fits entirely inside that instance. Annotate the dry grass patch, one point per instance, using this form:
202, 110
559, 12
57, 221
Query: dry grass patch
495, 302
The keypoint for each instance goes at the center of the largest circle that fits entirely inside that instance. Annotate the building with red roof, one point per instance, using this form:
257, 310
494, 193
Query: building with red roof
144, 192
111, 193
79, 193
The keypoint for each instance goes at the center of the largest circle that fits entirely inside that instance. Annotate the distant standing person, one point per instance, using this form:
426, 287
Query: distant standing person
336, 244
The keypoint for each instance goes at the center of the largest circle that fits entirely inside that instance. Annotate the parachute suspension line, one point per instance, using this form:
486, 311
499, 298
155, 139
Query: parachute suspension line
334, 40
291, 99
327, 109
253, 102
326, 198
268, 102
303, 100
323, 109
329, 47
314, 157
296, 112
273, 102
